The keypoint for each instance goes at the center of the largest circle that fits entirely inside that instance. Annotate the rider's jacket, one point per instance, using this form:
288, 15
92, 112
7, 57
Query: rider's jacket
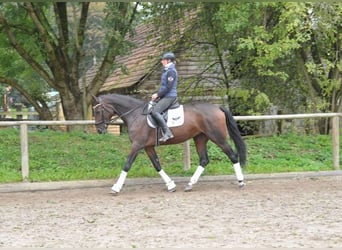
169, 81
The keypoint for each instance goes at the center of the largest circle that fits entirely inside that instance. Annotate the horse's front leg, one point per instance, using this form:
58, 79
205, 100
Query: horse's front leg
201, 148
116, 188
170, 184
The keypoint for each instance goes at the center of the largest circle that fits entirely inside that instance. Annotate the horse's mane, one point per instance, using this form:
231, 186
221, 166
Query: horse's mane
126, 98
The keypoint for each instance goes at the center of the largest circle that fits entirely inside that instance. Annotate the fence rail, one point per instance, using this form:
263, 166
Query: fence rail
24, 134
16, 113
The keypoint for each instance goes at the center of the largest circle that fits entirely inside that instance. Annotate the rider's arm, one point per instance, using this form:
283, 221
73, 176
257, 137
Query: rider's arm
168, 84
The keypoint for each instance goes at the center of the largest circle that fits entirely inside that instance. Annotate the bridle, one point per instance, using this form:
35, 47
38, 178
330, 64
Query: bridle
110, 109
104, 108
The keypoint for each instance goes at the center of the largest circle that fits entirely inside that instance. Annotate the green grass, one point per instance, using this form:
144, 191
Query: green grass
77, 156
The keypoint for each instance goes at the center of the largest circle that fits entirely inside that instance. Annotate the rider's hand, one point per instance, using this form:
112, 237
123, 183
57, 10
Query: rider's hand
154, 96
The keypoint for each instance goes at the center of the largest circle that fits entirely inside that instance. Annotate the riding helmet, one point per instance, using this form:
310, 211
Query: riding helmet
169, 56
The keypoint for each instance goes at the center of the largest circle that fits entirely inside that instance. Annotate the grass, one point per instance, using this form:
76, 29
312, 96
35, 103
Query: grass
57, 156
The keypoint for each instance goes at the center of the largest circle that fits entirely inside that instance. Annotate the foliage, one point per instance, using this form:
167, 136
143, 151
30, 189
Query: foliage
282, 53
50, 39
296, 34
57, 155
289, 52
13, 67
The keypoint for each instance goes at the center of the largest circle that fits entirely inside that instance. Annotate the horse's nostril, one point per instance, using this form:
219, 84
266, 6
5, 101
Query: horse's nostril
101, 131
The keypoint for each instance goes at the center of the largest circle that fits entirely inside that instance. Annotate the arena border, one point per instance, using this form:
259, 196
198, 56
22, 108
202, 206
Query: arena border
64, 185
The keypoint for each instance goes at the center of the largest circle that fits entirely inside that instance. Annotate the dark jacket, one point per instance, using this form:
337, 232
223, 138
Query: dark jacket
169, 81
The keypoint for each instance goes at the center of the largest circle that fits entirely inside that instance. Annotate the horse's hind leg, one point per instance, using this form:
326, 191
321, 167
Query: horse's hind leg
170, 184
201, 147
238, 174
234, 159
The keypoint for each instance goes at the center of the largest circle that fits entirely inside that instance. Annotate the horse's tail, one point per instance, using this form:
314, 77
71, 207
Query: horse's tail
235, 135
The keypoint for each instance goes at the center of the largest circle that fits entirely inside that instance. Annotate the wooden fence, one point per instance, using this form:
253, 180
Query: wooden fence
24, 135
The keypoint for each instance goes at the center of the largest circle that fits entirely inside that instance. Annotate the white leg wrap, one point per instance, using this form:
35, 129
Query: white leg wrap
169, 183
238, 172
196, 175
164, 176
119, 183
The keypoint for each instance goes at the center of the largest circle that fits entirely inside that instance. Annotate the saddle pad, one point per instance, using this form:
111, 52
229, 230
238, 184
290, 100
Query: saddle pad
175, 118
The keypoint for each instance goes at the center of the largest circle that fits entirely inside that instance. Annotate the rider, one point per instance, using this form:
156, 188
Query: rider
166, 94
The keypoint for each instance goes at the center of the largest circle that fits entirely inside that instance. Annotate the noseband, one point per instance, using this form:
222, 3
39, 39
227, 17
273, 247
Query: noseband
104, 108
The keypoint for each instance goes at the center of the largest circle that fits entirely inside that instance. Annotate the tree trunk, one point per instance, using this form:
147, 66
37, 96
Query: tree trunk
72, 108
72, 105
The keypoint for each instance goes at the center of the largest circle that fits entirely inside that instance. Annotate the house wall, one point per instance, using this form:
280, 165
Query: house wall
193, 84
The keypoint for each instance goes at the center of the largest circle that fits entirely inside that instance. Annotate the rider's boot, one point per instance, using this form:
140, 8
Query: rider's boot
167, 134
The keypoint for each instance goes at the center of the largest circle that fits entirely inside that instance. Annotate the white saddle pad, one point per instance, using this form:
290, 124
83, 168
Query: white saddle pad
175, 117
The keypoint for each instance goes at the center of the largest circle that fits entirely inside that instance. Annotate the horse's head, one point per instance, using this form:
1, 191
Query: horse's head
103, 113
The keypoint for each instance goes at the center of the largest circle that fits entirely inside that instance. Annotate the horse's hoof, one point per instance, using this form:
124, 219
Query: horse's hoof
114, 193
188, 188
171, 186
241, 184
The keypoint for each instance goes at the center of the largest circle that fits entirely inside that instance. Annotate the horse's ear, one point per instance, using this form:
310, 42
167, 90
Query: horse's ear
95, 99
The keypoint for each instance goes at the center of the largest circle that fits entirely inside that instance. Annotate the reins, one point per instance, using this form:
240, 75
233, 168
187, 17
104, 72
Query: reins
129, 111
113, 110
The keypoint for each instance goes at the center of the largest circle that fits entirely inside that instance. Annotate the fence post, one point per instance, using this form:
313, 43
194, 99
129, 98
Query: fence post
24, 152
187, 155
336, 142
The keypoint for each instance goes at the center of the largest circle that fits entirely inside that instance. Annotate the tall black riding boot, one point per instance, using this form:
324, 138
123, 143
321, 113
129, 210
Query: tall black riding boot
167, 134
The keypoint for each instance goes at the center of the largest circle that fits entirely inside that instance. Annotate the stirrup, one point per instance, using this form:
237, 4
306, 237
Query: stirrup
166, 137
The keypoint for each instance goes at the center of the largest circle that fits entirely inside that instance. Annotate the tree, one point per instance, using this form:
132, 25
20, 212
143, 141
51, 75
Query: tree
301, 40
17, 73
320, 57
279, 52
50, 38
206, 40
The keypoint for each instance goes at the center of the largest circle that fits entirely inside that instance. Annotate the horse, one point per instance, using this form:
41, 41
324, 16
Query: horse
202, 122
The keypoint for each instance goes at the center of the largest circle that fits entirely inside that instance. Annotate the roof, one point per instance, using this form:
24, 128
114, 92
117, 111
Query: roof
143, 58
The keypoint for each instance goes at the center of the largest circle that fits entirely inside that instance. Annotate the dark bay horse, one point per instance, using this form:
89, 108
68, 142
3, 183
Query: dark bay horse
202, 122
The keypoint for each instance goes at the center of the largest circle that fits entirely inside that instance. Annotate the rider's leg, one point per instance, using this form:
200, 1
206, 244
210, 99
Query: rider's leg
162, 105
167, 134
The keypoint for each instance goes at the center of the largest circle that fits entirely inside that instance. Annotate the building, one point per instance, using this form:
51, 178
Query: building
138, 73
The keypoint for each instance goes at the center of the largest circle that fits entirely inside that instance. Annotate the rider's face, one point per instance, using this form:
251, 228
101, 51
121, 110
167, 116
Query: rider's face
164, 62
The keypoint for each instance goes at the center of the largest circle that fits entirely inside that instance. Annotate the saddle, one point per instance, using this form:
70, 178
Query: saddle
174, 116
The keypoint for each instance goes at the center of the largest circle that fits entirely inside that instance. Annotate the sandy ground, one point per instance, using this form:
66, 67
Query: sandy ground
304, 212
